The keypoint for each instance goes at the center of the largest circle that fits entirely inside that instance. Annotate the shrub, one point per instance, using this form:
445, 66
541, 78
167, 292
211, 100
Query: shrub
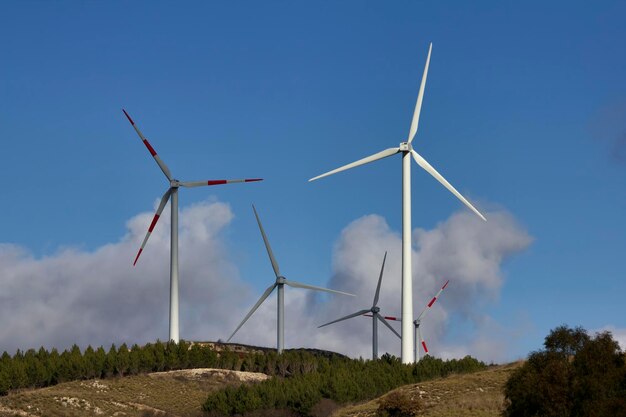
574, 376
398, 404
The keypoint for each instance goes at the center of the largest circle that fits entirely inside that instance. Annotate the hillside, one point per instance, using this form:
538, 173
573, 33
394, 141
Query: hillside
180, 393
479, 394
173, 393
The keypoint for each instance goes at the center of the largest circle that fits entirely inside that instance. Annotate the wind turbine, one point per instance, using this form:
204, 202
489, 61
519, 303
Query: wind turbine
418, 321
406, 149
172, 195
280, 283
374, 310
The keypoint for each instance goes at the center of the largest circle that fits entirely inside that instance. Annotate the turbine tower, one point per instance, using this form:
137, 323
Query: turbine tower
374, 310
406, 149
280, 283
172, 195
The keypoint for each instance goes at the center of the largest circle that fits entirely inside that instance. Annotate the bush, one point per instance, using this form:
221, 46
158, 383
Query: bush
574, 376
398, 404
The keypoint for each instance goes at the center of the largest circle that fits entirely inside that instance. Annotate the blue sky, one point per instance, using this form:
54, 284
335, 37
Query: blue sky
523, 112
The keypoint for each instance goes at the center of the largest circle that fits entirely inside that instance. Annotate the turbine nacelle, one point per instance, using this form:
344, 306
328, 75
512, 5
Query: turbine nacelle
405, 147
174, 183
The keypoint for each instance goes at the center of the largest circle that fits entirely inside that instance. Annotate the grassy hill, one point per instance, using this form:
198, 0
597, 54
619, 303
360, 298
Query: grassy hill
181, 393
173, 393
479, 394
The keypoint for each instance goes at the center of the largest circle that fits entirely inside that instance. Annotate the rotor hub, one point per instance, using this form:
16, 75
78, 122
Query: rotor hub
375, 310
405, 147
281, 280
174, 183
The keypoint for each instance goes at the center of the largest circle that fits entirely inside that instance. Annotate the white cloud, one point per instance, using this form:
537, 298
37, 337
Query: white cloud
97, 297
463, 249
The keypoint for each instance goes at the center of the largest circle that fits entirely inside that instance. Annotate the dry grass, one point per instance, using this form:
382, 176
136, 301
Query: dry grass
181, 393
472, 395
175, 393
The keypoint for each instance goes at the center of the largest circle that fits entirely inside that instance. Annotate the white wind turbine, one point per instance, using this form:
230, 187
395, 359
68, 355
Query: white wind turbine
172, 194
406, 149
374, 310
280, 283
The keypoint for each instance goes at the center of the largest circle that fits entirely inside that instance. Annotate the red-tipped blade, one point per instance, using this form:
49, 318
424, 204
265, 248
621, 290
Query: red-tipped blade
430, 304
424, 345
155, 219
385, 317
128, 117
156, 157
216, 182
137, 257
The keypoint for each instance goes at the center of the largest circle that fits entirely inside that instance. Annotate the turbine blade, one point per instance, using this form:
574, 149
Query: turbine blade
162, 204
366, 160
349, 316
156, 157
379, 317
385, 317
216, 182
430, 304
380, 279
422, 341
313, 287
267, 244
253, 309
420, 98
432, 171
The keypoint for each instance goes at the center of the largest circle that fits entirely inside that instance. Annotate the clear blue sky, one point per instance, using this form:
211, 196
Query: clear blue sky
525, 110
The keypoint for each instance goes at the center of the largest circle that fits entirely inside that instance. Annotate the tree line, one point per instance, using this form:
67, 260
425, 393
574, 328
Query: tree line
42, 368
339, 379
301, 377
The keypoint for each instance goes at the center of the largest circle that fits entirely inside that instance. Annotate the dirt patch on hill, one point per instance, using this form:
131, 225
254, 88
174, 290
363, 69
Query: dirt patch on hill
174, 393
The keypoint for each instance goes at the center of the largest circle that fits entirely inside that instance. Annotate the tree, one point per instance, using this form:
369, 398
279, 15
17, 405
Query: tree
122, 360
574, 376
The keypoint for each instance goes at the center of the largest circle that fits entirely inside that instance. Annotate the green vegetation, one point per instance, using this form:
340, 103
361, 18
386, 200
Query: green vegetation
476, 394
339, 379
36, 369
575, 375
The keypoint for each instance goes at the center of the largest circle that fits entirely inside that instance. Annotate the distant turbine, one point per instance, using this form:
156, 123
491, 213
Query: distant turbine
374, 309
407, 151
172, 193
280, 283
418, 321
